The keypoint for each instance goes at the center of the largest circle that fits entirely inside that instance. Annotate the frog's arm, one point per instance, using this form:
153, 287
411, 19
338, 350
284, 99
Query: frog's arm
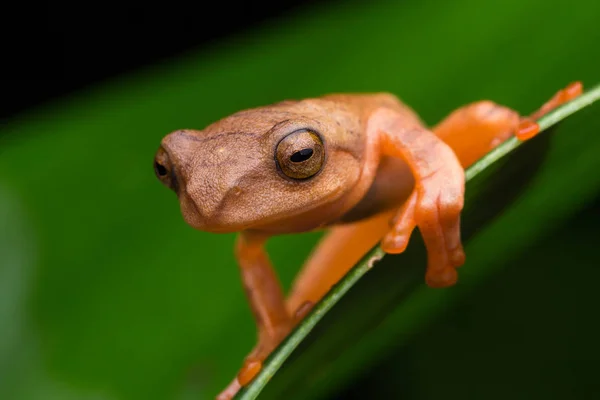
471, 131
268, 305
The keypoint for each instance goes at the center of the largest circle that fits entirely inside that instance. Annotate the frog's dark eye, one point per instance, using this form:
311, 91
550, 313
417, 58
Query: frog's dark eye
300, 154
163, 169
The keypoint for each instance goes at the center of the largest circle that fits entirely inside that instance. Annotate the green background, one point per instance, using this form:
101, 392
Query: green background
105, 293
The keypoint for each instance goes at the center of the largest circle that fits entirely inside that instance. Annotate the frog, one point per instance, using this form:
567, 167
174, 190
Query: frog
363, 167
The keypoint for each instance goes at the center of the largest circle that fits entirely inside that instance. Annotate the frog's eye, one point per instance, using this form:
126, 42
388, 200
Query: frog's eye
300, 154
163, 169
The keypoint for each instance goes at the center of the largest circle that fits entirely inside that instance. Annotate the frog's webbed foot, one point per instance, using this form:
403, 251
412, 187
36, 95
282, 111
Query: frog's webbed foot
434, 206
436, 201
253, 363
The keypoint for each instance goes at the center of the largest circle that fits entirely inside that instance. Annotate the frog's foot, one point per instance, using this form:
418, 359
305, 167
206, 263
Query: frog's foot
230, 391
573, 90
528, 128
252, 366
254, 362
434, 206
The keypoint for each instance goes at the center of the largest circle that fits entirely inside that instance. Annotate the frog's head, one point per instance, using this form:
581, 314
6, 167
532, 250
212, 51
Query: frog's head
275, 168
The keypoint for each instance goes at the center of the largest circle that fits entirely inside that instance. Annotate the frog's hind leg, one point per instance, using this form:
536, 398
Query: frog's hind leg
338, 250
475, 129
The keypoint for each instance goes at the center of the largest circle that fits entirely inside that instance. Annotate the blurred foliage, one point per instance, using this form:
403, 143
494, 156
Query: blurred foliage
105, 293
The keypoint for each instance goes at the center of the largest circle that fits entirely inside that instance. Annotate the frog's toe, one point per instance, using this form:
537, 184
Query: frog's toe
440, 278
230, 391
561, 97
251, 368
396, 240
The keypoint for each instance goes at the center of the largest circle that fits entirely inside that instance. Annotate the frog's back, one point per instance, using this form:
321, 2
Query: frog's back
369, 102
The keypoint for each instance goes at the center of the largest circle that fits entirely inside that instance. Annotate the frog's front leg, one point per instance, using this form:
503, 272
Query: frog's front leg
437, 198
267, 302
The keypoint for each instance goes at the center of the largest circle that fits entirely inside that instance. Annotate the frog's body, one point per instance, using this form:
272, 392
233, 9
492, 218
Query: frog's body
352, 163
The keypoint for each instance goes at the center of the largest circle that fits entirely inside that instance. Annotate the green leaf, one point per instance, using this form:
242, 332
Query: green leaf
396, 295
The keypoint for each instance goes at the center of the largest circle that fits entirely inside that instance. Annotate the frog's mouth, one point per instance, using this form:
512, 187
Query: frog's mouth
300, 219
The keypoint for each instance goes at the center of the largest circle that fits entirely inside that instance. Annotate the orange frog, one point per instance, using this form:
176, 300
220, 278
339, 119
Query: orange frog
363, 165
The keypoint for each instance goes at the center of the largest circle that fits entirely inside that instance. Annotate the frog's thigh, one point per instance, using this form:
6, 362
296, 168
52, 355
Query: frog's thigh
339, 249
475, 129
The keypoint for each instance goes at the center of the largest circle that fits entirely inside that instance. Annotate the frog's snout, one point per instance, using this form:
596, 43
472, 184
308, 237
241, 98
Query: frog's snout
163, 168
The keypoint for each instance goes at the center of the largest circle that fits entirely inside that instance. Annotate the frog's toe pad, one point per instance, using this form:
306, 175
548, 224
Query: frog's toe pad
441, 279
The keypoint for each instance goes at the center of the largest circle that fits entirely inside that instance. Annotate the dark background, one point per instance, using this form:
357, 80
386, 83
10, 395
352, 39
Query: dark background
54, 49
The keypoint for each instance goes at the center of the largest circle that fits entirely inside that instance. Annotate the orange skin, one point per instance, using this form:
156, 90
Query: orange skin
362, 165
